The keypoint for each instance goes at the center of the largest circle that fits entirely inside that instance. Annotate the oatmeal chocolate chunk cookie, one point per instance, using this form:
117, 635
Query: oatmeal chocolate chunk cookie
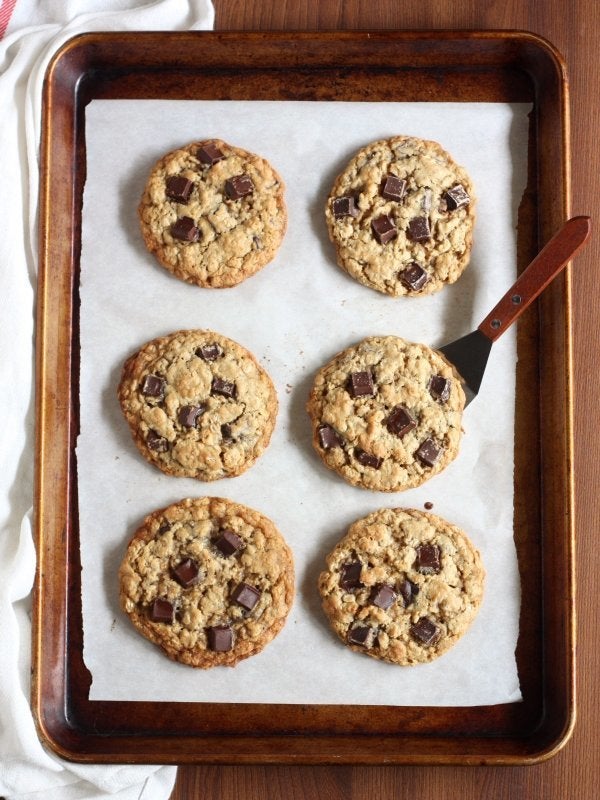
213, 214
386, 413
402, 586
198, 404
208, 580
401, 217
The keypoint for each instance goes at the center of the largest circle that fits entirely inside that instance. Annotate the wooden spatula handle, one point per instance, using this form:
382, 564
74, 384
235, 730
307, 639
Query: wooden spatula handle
553, 258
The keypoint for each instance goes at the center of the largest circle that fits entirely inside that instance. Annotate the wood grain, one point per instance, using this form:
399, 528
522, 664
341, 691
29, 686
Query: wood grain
573, 773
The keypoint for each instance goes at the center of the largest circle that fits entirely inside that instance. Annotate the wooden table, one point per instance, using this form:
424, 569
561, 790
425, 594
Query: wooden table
573, 28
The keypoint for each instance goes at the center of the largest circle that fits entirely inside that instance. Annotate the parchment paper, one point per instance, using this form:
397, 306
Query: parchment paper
294, 315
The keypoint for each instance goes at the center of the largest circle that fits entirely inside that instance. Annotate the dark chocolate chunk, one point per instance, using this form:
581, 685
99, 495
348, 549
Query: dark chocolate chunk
220, 638
367, 459
162, 610
245, 596
384, 229
439, 388
428, 452
238, 186
418, 229
165, 526
393, 188
188, 415
186, 573
362, 635
457, 197
383, 596
328, 437
344, 207
414, 277
185, 229
209, 154
178, 188
228, 543
157, 442
223, 387
428, 559
428, 505
409, 591
350, 577
227, 433
209, 352
361, 383
153, 386
400, 421
425, 631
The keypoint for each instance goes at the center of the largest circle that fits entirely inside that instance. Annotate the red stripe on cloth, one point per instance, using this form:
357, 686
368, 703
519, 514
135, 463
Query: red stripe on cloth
6, 10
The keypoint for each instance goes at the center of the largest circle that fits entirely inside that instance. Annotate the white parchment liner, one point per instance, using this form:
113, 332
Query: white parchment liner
294, 315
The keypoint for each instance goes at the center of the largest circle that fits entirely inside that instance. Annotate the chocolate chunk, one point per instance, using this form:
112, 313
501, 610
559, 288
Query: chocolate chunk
227, 433
428, 452
185, 229
220, 638
428, 559
157, 442
350, 577
188, 415
428, 505
328, 437
209, 154
178, 188
344, 207
209, 352
400, 421
439, 388
457, 197
162, 610
393, 188
361, 383
418, 229
228, 543
238, 186
362, 635
384, 229
414, 277
383, 596
367, 459
425, 631
153, 386
164, 528
186, 573
409, 591
222, 387
245, 596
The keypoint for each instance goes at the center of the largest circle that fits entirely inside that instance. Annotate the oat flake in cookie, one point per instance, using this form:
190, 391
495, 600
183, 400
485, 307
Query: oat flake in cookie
213, 214
401, 217
402, 586
198, 405
386, 413
208, 580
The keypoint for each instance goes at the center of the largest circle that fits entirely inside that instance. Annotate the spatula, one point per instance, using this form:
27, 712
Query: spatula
469, 354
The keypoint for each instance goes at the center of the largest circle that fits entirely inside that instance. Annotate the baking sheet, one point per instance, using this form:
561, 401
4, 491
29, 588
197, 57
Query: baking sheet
293, 315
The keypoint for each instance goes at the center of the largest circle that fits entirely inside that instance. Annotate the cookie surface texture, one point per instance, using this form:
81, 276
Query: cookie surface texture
401, 217
213, 214
402, 586
198, 405
386, 414
208, 580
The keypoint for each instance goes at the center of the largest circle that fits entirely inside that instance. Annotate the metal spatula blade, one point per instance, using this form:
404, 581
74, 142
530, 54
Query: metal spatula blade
469, 354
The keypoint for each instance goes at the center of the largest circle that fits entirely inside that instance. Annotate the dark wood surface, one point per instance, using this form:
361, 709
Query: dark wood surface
573, 773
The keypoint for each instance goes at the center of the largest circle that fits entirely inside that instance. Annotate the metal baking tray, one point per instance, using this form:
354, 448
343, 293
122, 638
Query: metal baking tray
413, 66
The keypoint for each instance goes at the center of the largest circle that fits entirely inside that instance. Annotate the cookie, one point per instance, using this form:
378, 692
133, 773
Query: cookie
208, 580
386, 413
213, 214
401, 217
198, 405
402, 586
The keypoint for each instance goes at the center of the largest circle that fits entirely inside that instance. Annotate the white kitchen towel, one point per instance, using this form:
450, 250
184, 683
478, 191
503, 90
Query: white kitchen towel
30, 32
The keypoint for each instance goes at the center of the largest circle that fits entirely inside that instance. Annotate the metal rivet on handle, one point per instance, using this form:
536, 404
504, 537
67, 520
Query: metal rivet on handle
495, 323
516, 299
